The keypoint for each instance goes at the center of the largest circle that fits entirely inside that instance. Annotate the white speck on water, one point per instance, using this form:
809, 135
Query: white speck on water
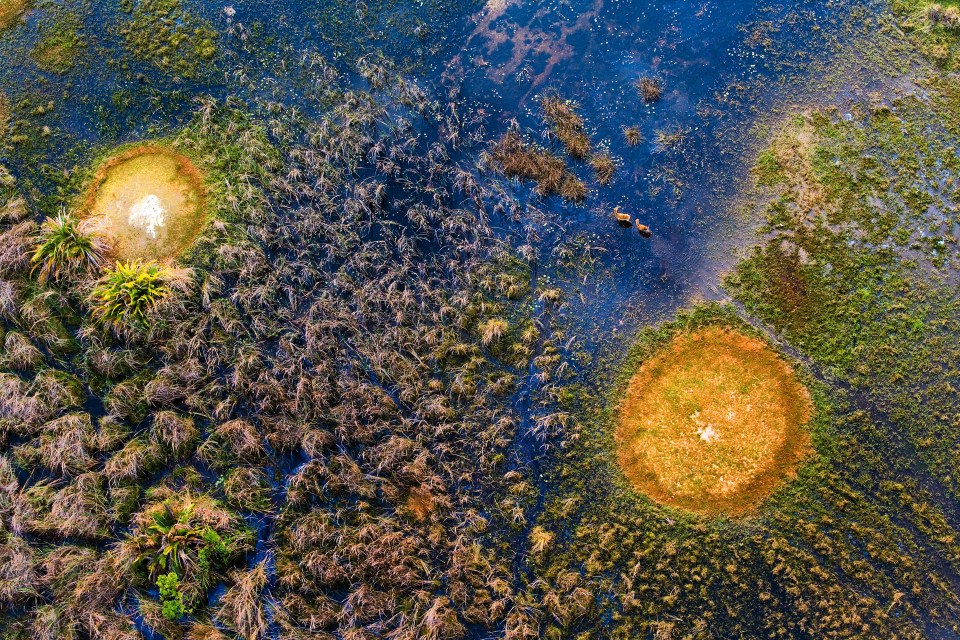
148, 214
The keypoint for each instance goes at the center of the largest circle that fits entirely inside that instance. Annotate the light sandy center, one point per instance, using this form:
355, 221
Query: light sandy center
148, 214
148, 202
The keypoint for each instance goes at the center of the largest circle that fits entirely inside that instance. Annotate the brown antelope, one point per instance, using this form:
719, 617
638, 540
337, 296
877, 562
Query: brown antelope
623, 219
644, 230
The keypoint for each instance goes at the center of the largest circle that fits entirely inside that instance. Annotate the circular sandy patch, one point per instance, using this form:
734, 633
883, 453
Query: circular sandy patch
148, 203
713, 423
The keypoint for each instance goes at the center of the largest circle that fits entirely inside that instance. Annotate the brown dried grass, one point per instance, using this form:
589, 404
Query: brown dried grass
243, 607
10, 10
519, 160
567, 125
650, 89
604, 167
4, 106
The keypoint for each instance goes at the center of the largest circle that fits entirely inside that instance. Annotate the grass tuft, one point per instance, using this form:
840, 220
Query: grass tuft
65, 250
124, 297
518, 159
567, 125
650, 89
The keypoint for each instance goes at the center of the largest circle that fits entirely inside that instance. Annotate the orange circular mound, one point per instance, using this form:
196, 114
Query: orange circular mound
148, 202
713, 423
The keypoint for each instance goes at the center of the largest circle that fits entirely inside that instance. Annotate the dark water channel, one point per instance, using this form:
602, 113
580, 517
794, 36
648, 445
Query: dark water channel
721, 65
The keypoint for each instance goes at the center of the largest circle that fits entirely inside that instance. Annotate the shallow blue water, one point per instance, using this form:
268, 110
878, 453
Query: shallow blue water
503, 56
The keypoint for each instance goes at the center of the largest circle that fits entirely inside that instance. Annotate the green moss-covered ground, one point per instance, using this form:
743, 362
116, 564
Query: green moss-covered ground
169, 36
853, 275
60, 45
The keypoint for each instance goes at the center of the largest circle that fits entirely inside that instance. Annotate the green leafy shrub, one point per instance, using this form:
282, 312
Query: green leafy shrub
171, 598
126, 294
64, 249
183, 545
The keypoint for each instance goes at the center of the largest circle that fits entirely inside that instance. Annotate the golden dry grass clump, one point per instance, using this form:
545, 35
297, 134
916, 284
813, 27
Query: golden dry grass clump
567, 125
650, 89
420, 503
10, 10
713, 423
148, 202
4, 114
517, 159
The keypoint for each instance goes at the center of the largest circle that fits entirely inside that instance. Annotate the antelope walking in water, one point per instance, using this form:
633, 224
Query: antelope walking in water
624, 220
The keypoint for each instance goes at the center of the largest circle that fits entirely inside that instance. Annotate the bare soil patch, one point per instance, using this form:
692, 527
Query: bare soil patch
713, 423
148, 202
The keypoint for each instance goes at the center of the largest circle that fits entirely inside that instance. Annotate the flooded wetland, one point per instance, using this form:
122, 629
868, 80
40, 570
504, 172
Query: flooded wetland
580, 319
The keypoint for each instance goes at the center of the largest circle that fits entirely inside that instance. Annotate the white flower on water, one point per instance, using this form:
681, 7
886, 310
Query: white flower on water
148, 214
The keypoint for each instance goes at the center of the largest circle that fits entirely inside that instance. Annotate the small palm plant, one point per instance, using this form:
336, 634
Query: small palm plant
64, 249
170, 540
125, 295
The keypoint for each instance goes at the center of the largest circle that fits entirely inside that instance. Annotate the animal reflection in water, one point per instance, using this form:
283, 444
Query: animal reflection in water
624, 220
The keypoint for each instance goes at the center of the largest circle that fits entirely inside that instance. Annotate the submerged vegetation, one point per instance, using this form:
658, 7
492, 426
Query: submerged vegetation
4, 116
353, 396
934, 27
